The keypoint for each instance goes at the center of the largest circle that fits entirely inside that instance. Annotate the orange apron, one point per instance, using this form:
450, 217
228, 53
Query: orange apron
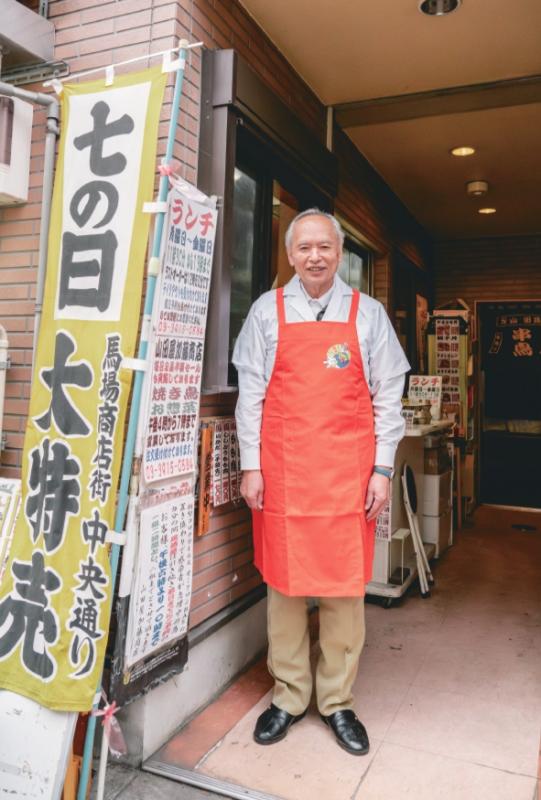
317, 455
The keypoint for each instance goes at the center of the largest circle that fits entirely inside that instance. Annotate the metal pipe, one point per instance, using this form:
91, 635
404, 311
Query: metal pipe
53, 116
40, 98
3, 369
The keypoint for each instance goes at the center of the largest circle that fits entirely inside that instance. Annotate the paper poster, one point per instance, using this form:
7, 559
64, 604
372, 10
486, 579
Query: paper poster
10, 501
448, 358
161, 594
56, 590
217, 463
383, 523
235, 472
409, 416
425, 389
205, 481
171, 437
225, 470
421, 324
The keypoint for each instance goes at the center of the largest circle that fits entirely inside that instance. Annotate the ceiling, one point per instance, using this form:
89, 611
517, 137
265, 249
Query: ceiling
354, 53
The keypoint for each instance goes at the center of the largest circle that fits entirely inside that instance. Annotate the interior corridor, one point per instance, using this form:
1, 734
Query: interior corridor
449, 689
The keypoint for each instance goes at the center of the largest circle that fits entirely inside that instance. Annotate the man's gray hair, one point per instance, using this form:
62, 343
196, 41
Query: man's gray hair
314, 212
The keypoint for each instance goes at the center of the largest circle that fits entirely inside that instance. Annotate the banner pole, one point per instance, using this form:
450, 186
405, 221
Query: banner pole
152, 273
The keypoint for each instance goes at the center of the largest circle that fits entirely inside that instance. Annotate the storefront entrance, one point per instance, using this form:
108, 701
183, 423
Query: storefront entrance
510, 352
438, 679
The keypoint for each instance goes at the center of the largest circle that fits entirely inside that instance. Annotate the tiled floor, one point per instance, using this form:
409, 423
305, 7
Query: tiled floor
449, 689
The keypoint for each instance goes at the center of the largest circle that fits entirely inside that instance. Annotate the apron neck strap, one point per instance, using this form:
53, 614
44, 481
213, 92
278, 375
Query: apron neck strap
280, 306
354, 306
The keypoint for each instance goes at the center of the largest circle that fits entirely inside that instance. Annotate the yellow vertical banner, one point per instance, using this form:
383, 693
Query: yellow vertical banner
55, 595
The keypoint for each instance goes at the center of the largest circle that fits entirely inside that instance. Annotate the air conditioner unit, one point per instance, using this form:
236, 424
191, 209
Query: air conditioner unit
15, 141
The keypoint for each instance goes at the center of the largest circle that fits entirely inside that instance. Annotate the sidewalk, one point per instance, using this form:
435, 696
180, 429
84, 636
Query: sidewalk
125, 783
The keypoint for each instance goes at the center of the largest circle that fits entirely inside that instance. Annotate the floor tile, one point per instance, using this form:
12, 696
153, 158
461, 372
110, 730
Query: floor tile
468, 728
396, 656
307, 764
492, 671
400, 772
188, 747
377, 701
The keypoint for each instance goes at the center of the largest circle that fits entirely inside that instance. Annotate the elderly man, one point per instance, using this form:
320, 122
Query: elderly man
321, 375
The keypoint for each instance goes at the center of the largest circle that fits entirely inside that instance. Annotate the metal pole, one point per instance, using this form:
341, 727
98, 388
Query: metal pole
53, 116
137, 390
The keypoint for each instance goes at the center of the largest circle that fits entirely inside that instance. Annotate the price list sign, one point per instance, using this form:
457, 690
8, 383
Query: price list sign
225, 470
178, 340
425, 389
448, 358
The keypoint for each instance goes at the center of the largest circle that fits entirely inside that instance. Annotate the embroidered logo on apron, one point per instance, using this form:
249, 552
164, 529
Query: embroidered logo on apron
338, 356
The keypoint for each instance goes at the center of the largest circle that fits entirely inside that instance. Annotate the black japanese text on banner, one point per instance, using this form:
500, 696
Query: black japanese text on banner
55, 595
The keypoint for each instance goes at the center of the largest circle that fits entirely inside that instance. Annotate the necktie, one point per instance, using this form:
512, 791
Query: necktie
320, 314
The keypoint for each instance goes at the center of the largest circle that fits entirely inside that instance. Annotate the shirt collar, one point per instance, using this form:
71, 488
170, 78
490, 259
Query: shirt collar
295, 287
323, 301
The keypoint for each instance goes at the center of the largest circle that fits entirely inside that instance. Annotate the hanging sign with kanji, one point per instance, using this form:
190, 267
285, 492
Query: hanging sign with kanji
178, 339
425, 389
162, 589
56, 591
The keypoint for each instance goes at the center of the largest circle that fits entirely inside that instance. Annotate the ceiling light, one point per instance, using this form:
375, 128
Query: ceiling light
463, 151
438, 8
487, 210
476, 188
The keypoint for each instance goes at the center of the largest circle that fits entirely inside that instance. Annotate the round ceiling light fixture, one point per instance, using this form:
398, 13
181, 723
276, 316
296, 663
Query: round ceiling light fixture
438, 8
486, 210
477, 188
462, 151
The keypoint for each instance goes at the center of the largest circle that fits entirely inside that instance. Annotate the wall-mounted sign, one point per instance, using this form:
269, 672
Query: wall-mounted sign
161, 593
172, 430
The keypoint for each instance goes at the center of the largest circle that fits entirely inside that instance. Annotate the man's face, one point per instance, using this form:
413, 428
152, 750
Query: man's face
315, 253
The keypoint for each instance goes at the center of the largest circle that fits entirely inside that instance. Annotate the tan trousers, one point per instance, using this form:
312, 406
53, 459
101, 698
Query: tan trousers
341, 639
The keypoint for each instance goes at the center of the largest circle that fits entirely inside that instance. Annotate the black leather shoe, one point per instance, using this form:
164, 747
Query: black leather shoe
349, 731
273, 724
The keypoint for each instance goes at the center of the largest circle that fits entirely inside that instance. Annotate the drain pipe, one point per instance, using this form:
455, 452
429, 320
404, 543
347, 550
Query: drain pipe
4, 364
53, 117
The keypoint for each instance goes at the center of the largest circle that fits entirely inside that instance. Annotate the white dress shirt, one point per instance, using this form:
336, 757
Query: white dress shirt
383, 360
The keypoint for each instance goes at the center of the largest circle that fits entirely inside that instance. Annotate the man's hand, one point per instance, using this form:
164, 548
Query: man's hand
252, 488
377, 494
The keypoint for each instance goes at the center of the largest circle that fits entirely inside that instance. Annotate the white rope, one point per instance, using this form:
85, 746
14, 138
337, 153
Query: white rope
165, 54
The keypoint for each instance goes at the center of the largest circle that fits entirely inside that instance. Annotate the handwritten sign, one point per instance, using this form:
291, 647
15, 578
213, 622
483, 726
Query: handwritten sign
160, 598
